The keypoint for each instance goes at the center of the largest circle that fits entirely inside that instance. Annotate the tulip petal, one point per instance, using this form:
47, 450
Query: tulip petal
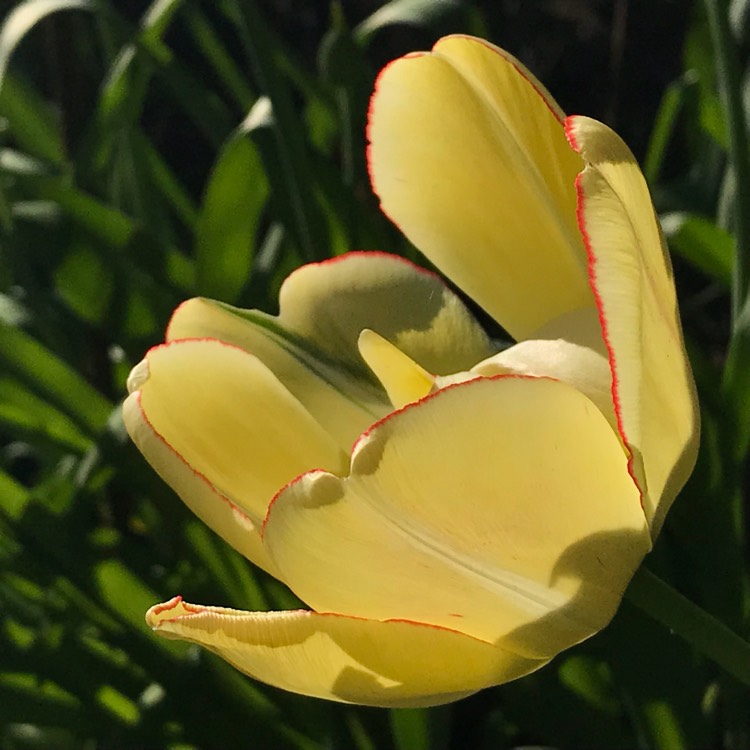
631, 275
501, 506
584, 368
469, 158
403, 379
312, 345
230, 419
331, 303
214, 509
343, 404
346, 659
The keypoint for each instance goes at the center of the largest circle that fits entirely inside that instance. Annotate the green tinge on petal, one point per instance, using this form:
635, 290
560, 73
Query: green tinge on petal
352, 660
311, 346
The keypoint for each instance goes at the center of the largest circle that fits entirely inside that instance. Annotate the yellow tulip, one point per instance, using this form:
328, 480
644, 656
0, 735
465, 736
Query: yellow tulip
495, 504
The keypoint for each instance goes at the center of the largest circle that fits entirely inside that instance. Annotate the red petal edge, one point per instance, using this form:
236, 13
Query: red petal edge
591, 265
386, 418
171, 449
198, 610
373, 97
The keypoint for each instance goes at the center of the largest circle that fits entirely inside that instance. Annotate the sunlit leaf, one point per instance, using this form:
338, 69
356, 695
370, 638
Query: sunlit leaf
228, 225
702, 243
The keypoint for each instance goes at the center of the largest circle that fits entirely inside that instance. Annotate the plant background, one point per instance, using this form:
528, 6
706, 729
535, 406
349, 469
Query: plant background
150, 152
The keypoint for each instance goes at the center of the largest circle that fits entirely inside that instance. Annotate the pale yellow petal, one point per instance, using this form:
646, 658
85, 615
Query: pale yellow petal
403, 379
214, 509
632, 276
502, 507
312, 345
342, 403
345, 659
585, 369
469, 158
231, 420
330, 303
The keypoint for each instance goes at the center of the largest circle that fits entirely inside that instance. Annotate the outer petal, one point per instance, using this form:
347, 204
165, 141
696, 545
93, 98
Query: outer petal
632, 277
341, 658
214, 509
499, 506
312, 345
468, 120
231, 420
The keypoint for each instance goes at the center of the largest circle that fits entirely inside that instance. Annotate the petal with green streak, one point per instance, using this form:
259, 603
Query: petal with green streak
215, 510
345, 659
332, 302
469, 158
231, 420
631, 275
343, 403
500, 506
312, 345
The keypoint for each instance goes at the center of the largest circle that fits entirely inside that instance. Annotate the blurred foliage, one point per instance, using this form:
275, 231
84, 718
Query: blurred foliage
154, 151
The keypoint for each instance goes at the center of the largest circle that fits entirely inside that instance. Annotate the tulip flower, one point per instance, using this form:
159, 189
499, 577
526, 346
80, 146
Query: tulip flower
495, 503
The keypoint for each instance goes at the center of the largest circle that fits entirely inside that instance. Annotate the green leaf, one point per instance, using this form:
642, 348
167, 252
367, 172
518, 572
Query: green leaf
411, 728
285, 152
85, 282
32, 122
47, 375
27, 415
702, 243
13, 496
168, 184
671, 106
227, 227
125, 89
129, 597
214, 50
18, 164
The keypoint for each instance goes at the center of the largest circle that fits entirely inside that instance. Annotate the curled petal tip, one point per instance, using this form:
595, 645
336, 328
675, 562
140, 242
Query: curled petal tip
168, 610
138, 376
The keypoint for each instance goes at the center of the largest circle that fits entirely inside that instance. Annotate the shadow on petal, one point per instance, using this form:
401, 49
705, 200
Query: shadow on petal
603, 565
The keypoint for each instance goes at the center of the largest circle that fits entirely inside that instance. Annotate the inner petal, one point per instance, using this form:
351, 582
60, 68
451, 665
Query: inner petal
312, 345
403, 379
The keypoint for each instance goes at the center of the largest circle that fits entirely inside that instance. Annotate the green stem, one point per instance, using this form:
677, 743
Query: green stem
705, 633
728, 79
